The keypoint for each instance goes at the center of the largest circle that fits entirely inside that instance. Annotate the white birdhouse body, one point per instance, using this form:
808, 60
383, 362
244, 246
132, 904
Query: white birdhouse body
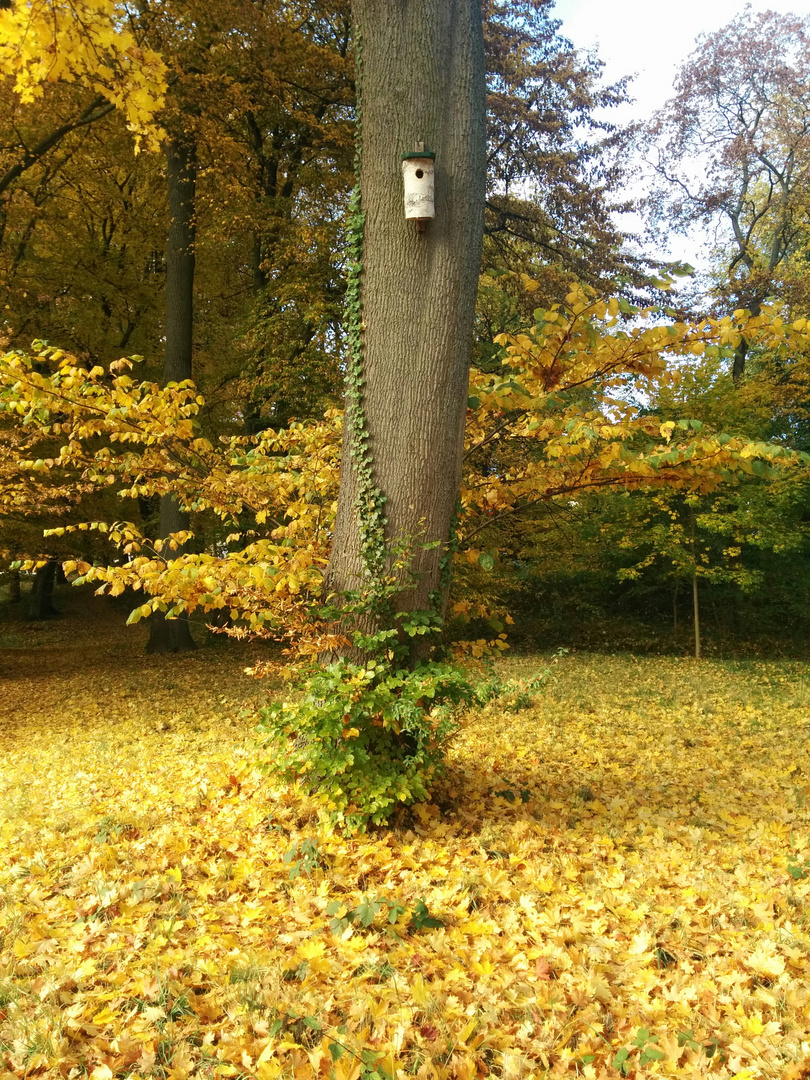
417, 172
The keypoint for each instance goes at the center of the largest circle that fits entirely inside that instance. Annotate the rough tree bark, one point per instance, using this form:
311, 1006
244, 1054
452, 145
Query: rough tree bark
173, 635
695, 592
14, 587
422, 80
40, 605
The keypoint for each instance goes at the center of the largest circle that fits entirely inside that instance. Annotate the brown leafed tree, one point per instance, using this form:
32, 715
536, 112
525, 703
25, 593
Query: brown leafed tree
554, 158
731, 151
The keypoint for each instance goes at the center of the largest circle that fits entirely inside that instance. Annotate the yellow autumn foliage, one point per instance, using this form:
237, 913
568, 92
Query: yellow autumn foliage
90, 42
559, 418
624, 865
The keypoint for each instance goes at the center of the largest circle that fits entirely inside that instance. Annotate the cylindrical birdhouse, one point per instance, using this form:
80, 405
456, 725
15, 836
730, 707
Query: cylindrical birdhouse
417, 172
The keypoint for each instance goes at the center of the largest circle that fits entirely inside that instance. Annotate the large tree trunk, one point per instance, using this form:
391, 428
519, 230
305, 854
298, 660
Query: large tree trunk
40, 605
173, 635
422, 81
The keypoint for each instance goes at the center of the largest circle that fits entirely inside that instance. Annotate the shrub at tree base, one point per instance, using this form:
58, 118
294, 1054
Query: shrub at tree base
365, 738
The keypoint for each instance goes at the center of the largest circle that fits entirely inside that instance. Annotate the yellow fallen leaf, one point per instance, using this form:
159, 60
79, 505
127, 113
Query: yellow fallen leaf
467, 1031
752, 1025
268, 1070
419, 992
309, 950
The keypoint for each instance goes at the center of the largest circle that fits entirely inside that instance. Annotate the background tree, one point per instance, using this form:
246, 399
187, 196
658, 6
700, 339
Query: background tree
92, 43
181, 171
632, 556
554, 160
731, 151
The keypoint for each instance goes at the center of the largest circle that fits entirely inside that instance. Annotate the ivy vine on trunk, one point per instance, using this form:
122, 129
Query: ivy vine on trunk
371, 730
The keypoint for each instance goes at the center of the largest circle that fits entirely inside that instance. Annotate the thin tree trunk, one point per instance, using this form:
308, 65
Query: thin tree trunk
738, 364
695, 597
675, 607
173, 635
742, 349
41, 600
14, 589
170, 635
422, 80
181, 175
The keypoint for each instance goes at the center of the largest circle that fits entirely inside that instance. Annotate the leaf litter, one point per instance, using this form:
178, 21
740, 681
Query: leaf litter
613, 880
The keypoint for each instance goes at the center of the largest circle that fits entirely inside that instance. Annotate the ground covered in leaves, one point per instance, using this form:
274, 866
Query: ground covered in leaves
613, 880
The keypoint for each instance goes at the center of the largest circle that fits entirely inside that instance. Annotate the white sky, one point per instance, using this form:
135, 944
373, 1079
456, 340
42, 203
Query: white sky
651, 38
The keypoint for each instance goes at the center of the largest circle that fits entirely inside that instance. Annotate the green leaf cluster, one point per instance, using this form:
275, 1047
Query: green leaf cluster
302, 858
366, 738
644, 1042
366, 912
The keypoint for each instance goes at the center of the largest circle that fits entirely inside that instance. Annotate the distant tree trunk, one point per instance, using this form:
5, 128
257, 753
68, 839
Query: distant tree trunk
173, 635
14, 589
148, 508
743, 348
422, 80
738, 366
695, 596
675, 592
40, 605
